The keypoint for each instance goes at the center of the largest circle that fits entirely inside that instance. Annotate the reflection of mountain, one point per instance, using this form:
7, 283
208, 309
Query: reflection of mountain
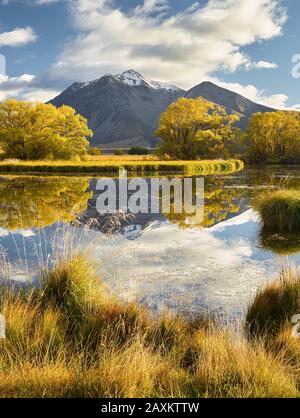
220, 204
131, 226
28, 202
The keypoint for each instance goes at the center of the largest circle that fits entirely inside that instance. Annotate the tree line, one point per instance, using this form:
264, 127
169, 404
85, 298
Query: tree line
190, 129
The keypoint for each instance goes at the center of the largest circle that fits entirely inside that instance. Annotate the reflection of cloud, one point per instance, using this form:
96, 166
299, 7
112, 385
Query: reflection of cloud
217, 268
4, 232
248, 216
26, 233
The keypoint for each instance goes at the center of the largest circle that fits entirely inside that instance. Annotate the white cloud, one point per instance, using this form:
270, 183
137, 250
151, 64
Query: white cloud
17, 37
30, 2
263, 65
25, 87
276, 101
182, 48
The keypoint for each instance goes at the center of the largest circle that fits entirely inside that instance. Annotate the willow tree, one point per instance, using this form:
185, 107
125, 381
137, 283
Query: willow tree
38, 131
274, 136
195, 128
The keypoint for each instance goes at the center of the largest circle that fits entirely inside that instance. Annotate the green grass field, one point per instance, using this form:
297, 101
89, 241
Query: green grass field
112, 165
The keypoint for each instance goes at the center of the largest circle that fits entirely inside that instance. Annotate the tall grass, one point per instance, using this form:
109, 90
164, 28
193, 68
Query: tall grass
279, 211
72, 338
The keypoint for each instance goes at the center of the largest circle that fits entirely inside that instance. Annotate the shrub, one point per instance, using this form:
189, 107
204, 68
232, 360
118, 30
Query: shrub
118, 152
138, 151
279, 211
95, 151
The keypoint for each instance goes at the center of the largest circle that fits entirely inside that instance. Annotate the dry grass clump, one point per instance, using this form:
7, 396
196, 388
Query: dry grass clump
279, 211
274, 306
72, 338
233, 368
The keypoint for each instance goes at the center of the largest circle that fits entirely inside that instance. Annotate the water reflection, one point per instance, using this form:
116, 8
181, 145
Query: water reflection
31, 202
221, 203
158, 259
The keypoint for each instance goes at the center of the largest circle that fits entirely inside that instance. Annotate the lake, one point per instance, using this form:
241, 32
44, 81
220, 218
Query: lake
160, 260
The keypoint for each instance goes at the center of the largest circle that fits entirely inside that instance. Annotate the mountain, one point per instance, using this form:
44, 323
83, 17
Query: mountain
123, 110
233, 102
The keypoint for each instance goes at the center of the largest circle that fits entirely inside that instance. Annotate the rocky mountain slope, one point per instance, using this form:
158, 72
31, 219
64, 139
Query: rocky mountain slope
122, 110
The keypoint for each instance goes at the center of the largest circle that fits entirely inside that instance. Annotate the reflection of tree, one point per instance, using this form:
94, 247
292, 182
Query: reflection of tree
220, 203
27, 202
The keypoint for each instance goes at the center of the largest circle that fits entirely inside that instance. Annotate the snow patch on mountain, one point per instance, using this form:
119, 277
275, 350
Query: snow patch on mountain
133, 79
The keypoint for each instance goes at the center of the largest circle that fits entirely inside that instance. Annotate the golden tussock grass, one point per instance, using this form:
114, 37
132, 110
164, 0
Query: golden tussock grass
72, 338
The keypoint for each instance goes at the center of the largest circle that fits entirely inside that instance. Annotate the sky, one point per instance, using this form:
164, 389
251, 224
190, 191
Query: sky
246, 46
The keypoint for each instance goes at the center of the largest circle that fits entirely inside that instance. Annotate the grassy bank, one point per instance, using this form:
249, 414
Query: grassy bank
71, 338
112, 166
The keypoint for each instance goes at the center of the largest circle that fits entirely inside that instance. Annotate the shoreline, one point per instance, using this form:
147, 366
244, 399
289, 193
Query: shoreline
205, 167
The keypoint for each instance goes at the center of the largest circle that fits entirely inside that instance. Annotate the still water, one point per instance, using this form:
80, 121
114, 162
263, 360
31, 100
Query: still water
159, 260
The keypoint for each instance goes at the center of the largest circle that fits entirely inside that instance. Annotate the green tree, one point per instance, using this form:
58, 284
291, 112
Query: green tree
118, 151
195, 128
138, 151
39, 131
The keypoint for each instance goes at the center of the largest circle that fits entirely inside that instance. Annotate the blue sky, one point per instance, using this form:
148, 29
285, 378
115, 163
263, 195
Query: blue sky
242, 45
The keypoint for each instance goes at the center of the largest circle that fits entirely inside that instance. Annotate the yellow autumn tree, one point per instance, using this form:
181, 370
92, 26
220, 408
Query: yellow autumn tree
274, 136
195, 128
31, 131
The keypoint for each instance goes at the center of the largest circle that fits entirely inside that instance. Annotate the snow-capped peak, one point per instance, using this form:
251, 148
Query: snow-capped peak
133, 79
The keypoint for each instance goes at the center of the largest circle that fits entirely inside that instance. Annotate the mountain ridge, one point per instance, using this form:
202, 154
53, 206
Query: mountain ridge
123, 110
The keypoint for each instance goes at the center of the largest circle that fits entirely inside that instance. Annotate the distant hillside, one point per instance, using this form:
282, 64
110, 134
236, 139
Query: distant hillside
233, 102
123, 110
